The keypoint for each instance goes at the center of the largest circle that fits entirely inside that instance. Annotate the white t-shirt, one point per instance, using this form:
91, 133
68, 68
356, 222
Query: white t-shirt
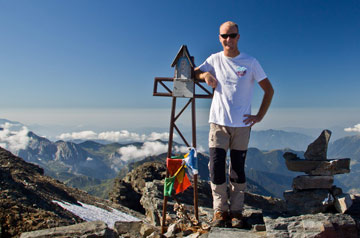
233, 93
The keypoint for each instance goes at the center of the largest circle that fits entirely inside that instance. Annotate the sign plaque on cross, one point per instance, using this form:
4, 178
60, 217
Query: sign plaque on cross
184, 85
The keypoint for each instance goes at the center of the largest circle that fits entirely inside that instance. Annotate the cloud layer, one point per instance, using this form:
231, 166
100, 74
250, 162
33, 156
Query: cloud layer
115, 136
17, 139
356, 128
14, 140
149, 148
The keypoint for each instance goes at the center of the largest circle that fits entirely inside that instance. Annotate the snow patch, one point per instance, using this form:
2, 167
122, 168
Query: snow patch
93, 213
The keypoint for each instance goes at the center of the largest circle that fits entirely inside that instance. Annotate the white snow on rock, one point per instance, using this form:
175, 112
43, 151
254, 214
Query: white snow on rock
93, 213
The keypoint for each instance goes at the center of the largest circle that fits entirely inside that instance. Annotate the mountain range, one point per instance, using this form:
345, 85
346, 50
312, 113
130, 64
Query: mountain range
92, 166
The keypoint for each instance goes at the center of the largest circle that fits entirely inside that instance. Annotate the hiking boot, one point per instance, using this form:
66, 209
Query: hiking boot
237, 220
220, 219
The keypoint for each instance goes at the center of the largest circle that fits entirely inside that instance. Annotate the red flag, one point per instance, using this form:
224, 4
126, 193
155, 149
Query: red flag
173, 165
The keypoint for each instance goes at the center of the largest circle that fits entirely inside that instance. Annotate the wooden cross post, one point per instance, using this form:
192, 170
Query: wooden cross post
184, 87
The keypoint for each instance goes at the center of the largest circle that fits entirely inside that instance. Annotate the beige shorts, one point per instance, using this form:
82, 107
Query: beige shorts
226, 137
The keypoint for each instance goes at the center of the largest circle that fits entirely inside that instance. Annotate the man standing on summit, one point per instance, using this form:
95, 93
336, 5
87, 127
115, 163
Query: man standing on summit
232, 74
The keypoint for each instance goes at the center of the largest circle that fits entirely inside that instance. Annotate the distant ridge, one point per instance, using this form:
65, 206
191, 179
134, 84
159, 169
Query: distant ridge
278, 139
92, 165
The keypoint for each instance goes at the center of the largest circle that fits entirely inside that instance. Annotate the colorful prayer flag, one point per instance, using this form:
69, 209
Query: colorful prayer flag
168, 186
176, 168
192, 161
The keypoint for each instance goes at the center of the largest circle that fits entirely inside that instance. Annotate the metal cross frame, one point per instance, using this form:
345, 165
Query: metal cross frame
169, 93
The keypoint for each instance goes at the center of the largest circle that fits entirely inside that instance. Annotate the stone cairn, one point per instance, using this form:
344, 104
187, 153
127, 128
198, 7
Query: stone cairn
315, 192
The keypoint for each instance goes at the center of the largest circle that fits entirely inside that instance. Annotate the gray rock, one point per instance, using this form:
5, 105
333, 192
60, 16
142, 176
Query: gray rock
252, 218
124, 194
312, 182
265, 203
332, 167
130, 229
146, 229
316, 167
128, 191
318, 225
83, 230
194, 235
343, 202
308, 201
259, 227
318, 149
171, 231
152, 201
216, 232
155, 234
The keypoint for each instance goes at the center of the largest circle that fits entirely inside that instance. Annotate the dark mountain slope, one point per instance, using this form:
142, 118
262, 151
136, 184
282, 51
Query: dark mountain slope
27, 195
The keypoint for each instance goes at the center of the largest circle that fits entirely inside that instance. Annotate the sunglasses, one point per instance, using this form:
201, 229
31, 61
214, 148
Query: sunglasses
232, 35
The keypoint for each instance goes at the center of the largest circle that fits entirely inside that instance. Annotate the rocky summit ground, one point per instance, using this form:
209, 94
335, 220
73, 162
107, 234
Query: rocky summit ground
264, 216
27, 203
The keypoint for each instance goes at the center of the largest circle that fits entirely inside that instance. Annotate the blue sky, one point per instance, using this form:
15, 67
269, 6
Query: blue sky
63, 54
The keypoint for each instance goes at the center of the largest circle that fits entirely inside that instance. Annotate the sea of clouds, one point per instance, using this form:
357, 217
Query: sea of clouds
14, 137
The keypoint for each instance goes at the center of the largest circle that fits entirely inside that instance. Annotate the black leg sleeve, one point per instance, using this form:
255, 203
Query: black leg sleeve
237, 174
217, 165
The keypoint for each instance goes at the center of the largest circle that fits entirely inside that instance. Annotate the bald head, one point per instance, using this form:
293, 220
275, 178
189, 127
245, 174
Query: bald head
229, 37
229, 24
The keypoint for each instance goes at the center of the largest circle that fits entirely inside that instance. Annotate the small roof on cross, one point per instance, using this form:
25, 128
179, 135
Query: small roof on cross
183, 51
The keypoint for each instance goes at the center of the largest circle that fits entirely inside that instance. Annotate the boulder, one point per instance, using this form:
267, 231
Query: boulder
259, 227
318, 149
155, 235
194, 235
152, 201
172, 230
318, 225
312, 182
83, 230
308, 201
343, 202
265, 203
332, 167
124, 194
317, 167
253, 218
147, 229
128, 191
216, 232
128, 229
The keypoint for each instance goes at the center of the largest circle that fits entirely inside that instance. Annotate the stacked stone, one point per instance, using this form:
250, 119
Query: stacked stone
315, 192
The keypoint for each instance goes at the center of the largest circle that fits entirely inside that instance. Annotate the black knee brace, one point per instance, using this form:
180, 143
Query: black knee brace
238, 165
217, 165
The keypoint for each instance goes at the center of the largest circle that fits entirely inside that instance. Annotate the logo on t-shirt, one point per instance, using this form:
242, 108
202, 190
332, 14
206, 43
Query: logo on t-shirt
241, 71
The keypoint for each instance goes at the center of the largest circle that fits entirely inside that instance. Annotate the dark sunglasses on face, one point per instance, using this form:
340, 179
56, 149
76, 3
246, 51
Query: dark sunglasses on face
232, 35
